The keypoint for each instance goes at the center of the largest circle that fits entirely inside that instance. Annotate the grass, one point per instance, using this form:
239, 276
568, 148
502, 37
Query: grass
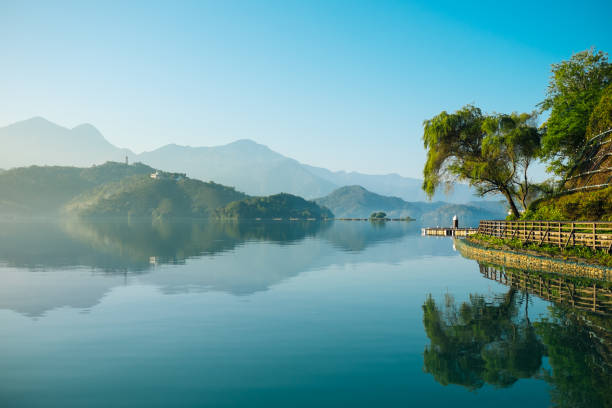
575, 253
580, 206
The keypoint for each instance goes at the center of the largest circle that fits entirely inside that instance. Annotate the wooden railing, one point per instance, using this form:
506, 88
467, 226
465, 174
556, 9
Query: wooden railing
595, 235
559, 290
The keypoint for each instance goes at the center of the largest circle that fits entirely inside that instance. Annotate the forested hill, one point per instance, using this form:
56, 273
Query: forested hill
44, 190
143, 196
357, 202
111, 189
282, 205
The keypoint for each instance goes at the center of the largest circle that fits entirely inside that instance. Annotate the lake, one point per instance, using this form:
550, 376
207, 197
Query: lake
278, 314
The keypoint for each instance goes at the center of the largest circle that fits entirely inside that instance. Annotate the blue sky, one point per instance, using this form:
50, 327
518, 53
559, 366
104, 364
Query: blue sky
340, 84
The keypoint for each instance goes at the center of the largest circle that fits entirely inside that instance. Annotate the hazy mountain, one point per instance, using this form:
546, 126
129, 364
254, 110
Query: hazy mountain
246, 165
468, 215
37, 141
358, 202
393, 185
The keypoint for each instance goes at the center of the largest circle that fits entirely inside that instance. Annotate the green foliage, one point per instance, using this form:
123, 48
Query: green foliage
580, 206
601, 118
276, 206
491, 152
380, 215
575, 88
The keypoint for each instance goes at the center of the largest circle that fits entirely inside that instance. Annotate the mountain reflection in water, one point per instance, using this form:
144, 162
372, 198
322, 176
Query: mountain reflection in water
78, 261
195, 313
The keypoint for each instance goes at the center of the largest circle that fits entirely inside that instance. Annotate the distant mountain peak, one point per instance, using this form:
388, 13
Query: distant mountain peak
354, 187
36, 122
245, 142
86, 126
88, 129
248, 144
36, 119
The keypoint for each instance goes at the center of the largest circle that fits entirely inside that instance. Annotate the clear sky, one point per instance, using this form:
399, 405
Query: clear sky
340, 84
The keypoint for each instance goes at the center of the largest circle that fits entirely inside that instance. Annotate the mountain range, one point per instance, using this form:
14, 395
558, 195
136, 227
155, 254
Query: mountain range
246, 165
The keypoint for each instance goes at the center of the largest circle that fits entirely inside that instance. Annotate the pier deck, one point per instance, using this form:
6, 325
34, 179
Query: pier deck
449, 232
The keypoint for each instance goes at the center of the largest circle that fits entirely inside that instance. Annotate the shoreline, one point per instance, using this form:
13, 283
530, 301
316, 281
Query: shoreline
472, 248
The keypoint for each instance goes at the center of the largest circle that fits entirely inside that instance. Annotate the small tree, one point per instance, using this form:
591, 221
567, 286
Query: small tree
492, 153
380, 215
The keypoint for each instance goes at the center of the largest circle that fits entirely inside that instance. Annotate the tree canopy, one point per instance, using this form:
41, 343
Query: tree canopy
491, 152
574, 90
281, 205
601, 118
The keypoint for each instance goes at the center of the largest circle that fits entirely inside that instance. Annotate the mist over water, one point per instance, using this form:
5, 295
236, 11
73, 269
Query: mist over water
266, 314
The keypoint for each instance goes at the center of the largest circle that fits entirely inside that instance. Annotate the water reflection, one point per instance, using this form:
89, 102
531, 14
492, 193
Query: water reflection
481, 341
75, 263
579, 349
136, 246
492, 340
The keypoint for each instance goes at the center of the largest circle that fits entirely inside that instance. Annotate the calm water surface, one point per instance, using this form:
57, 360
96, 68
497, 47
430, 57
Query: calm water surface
344, 314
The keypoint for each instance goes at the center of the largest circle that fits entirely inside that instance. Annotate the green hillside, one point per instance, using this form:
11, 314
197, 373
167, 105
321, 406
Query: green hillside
578, 206
357, 202
143, 196
44, 190
276, 206
111, 189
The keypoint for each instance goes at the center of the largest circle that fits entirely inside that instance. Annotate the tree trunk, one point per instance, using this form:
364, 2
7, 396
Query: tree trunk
513, 208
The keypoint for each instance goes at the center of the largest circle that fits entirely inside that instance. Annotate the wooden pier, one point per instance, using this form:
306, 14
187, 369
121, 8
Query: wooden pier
449, 232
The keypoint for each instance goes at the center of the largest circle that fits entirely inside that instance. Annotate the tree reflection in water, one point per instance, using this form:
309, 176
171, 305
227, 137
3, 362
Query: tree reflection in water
493, 342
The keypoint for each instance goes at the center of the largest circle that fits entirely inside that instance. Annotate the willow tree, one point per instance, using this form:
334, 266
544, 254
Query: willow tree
491, 152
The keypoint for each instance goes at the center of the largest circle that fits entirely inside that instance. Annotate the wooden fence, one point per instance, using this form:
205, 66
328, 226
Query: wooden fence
559, 290
595, 235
